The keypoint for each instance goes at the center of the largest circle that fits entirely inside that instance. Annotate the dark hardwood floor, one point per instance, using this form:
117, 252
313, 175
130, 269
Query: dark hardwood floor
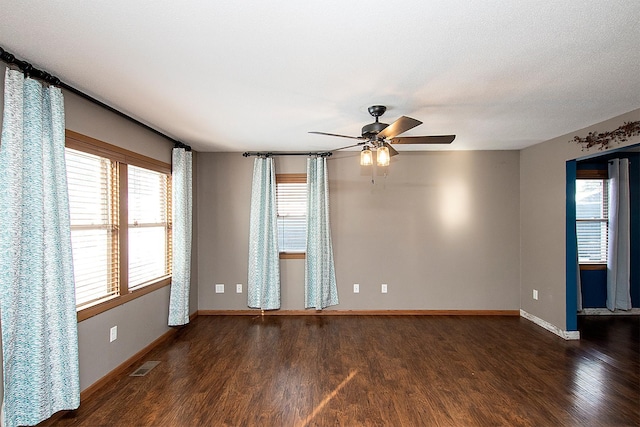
379, 371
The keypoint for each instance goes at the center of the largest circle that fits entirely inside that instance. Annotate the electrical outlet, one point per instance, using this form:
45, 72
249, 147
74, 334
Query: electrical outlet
238, 288
535, 294
219, 288
113, 334
356, 288
384, 288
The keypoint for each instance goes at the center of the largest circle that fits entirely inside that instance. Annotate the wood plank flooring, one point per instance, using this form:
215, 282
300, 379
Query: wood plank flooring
379, 371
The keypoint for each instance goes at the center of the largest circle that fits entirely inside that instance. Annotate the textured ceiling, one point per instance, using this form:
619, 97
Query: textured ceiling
253, 75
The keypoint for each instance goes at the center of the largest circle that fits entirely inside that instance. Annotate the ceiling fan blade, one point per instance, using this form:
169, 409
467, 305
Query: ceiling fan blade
335, 134
436, 139
349, 146
392, 151
401, 125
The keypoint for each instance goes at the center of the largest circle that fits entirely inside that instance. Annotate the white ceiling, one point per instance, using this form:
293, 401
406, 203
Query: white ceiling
258, 75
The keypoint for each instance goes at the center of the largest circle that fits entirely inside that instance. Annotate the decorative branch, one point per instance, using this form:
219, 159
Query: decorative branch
604, 140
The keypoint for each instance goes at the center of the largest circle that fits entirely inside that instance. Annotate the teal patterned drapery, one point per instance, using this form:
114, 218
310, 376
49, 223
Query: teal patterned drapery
182, 231
320, 277
37, 291
263, 287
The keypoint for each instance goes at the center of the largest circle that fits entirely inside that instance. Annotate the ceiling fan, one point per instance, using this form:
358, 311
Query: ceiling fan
379, 136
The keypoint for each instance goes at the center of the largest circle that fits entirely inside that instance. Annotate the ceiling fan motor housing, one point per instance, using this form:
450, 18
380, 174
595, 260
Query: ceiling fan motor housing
372, 129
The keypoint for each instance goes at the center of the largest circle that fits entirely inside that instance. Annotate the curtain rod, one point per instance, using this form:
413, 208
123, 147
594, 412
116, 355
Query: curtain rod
285, 153
30, 71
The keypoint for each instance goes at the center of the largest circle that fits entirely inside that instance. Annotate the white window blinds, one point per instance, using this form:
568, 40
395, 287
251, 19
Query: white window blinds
291, 195
149, 230
92, 181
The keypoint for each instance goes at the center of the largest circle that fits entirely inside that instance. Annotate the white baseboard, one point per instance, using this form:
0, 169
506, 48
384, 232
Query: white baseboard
567, 335
606, 312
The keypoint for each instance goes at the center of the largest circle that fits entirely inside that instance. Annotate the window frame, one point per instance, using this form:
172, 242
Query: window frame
123, 157
291, 178
593, 174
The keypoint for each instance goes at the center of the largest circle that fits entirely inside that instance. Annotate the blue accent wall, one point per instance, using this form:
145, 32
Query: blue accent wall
571, 255
594, 282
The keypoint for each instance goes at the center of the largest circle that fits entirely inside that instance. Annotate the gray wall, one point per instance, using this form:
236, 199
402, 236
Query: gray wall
140, 321
543, 216
441, 229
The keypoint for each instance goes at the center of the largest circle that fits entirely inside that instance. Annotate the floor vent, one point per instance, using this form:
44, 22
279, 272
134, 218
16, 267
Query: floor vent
145, 368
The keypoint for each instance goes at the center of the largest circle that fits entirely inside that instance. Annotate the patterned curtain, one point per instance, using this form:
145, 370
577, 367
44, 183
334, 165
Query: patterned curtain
263, 287
37, 292
182, 230
619, 250
320, 277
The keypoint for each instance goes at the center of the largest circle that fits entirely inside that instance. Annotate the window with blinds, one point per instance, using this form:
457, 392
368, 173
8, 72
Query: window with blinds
120, 209
149, 231
291, 201
92, 182
592, 220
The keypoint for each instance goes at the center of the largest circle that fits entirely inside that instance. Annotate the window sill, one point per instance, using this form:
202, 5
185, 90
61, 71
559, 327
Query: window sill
593, 267
292, 255
94, 310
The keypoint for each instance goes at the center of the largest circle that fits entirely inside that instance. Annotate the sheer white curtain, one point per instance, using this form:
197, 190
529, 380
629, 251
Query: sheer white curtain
37, 292
182, 232
320, 277
263, 286
578, 281
619, 261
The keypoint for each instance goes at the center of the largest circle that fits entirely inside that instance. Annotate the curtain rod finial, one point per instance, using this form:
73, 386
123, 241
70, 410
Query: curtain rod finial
179, 144
6, 56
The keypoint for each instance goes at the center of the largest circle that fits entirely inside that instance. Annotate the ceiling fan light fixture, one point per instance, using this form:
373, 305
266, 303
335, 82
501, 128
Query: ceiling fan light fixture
382, 156
366, 157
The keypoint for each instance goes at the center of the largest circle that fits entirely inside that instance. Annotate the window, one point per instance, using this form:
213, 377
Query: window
291, 201
149, 231
120, 210
94, 225
592, 218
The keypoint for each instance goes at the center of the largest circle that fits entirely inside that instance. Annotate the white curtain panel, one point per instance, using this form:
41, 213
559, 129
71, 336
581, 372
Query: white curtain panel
263, 287
37, 292
320, 278
182, 208
619, 251
578, 283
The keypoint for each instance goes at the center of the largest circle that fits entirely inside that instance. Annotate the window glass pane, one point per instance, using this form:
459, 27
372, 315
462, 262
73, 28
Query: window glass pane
148, 225
292, 234
92, 266
590, 199
147, 196
292, 213
147, 248
88, 182
592, 241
